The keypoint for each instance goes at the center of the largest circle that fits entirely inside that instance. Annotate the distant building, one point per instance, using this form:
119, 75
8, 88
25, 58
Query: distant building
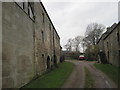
31, 44
109, 44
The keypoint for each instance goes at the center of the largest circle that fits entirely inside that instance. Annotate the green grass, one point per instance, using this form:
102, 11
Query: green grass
88, 79
53, 79
110, 70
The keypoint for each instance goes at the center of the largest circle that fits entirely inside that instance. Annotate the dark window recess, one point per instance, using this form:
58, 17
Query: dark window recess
108, 55
119, 57
118, 37
107, 45
42, 36
43, 55
23, 5
50, 26
43, 17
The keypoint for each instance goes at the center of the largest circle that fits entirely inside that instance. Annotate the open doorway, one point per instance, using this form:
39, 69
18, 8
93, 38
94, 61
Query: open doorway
48, 62
55, 61
119, 58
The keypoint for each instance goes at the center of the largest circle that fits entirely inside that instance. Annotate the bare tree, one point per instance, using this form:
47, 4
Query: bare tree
68, 46
93, 33
76, 42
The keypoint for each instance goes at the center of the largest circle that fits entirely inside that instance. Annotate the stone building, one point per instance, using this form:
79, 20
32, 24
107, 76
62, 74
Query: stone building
30, 43
109, 44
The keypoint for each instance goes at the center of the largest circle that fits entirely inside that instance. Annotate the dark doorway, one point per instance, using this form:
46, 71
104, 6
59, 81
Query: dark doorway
102, 57
48, 62
119, 58
119, 71
55, 61
108, 56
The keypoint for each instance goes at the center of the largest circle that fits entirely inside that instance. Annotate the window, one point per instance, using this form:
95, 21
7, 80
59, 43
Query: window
30, 11
43, 55
107, 44
43, 17
43, 58
118, 37
23, 5
108, 55
119, 57
20, 4
27, 7
49, 26
42, 36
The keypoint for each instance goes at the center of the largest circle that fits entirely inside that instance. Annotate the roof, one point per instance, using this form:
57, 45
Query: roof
111, 29
108, 32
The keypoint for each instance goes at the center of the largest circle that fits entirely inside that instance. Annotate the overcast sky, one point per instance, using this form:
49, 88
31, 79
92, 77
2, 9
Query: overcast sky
71, 18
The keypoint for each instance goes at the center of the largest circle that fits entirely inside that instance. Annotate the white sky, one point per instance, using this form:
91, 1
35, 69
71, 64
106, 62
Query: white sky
71, 18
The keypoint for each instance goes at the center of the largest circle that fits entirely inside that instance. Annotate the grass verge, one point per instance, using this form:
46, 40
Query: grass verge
110, 70
53, 79
88, 79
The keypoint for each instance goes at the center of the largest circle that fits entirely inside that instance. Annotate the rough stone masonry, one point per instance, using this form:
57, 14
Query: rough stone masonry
30, 43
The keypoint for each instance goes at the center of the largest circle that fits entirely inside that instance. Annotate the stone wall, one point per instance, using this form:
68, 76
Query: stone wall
45, 37
110, 44
18, 47
29, 44
57, 47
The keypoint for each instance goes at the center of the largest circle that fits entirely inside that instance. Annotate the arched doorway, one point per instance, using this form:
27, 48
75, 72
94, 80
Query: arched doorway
55, 61
48, 62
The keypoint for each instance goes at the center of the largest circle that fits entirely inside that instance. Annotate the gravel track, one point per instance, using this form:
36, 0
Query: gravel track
77, 77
